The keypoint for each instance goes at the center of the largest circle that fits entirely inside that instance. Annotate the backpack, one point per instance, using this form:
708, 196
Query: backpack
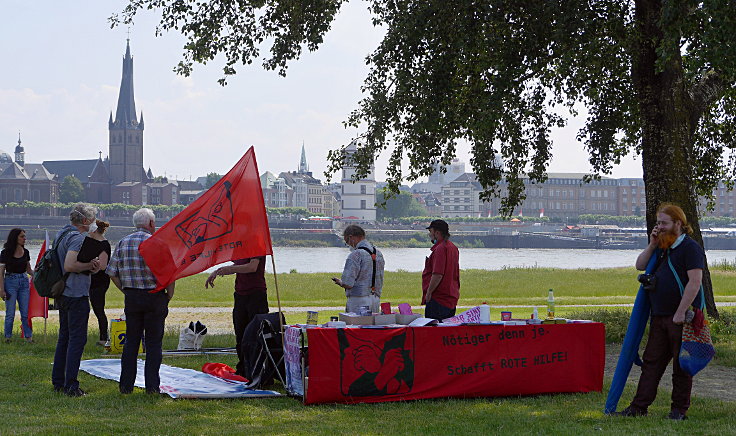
48, 277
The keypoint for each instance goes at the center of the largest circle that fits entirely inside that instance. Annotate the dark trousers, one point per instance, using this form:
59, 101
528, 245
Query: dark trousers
435, 310
663, 344
73, 317
97, 299
144, 313
245, 308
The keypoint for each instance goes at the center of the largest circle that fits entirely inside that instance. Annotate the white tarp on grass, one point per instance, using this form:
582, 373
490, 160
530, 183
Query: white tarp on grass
178, 382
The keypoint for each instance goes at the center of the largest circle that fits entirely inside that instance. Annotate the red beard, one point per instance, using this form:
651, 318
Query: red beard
666, 239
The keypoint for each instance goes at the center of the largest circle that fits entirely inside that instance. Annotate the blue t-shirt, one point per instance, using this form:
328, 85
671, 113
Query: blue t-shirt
686, 256
77, 285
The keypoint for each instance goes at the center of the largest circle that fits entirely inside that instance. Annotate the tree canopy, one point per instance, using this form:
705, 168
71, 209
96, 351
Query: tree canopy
397, 206
656, 78
212, 178
71, 190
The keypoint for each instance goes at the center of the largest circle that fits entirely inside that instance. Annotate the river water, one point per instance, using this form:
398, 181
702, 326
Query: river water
331, 259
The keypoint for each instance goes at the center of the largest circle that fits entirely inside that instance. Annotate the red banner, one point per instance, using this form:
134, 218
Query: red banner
38, 306
227, 222
372, 365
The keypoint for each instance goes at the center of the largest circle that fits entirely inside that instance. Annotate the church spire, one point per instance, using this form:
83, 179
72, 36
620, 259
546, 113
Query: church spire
125, 115
303, 167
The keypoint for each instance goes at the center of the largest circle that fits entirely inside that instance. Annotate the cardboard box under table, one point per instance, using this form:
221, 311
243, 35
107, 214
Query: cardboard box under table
356, 365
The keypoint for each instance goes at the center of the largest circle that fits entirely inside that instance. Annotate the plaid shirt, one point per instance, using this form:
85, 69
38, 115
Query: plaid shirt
128, 265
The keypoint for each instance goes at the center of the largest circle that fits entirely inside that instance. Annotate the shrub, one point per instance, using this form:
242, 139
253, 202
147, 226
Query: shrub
616, 321
725, 325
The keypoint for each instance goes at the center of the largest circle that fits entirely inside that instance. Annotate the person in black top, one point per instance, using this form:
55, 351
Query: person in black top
95, 245
678, 254
15, 265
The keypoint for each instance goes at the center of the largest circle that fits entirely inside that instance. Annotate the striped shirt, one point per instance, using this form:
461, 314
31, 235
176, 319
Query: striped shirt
128, 265
358, 271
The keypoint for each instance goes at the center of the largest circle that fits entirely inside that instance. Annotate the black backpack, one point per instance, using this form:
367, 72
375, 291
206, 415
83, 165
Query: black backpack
48, 277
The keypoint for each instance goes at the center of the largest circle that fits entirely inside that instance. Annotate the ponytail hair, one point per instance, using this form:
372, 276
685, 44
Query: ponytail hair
102, 226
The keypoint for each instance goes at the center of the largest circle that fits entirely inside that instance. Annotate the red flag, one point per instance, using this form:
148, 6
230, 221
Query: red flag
227, 222
38, 306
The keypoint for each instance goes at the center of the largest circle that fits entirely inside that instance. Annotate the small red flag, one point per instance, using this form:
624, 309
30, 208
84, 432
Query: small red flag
38, 306
227, 222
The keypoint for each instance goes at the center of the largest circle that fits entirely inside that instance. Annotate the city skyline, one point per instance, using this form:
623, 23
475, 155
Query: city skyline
63, 79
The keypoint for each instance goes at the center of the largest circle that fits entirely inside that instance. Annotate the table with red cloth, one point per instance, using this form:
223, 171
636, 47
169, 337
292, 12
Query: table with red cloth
356, 365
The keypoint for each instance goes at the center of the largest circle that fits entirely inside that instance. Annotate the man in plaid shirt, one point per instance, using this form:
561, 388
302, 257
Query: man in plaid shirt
145, 310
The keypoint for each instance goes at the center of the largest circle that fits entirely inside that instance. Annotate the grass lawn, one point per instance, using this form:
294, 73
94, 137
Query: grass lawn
31, 407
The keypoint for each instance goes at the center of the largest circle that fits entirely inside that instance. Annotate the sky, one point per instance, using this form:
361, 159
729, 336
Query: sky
60, 75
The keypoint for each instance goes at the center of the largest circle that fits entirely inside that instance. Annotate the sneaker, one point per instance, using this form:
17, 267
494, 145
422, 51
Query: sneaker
59, 389
101, 343
7, 340
29, 340
677, 415
78, 392
629, 411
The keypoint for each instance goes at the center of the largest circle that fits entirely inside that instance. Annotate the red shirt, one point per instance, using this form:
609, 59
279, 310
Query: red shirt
251, 283
445, 260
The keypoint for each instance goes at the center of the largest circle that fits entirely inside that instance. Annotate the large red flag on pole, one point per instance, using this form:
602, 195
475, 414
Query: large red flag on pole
38, 306
227, 222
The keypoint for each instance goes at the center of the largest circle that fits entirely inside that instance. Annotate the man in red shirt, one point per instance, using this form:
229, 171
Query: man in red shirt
441, 275
250, 297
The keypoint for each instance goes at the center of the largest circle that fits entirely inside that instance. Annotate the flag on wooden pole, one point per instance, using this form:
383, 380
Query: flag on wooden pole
227, 222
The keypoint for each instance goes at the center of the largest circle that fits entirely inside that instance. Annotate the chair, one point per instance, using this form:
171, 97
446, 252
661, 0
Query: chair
263, 350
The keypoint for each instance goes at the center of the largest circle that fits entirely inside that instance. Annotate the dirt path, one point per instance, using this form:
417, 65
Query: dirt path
714, 381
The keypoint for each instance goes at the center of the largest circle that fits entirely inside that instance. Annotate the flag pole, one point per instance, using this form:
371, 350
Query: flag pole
278, 298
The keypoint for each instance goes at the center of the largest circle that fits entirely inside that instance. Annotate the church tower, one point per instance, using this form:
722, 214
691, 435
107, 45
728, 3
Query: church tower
126, 132
20, 154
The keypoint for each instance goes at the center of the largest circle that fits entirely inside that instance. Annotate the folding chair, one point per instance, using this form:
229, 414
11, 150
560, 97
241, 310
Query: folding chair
263, 350
271, 338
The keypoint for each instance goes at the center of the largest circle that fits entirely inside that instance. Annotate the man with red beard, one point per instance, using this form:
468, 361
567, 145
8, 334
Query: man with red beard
669, 240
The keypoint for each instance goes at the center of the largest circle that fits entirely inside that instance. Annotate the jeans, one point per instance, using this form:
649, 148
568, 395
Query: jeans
17, 289
97, 299
145, 312
73, 317
244, 309
435, 310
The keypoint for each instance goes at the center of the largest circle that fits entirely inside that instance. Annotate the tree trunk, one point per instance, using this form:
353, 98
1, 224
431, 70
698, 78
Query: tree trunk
667, 148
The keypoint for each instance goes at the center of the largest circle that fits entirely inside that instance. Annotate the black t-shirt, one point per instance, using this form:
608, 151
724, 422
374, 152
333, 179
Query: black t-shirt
251, 283
686, 256
92, 248
15, 264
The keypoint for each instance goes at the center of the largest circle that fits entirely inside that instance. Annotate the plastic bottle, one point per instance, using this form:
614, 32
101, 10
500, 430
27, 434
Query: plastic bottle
485, 313
551, 305
535, 313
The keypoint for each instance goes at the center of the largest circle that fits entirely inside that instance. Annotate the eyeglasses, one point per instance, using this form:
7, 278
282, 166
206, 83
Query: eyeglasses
663, 223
